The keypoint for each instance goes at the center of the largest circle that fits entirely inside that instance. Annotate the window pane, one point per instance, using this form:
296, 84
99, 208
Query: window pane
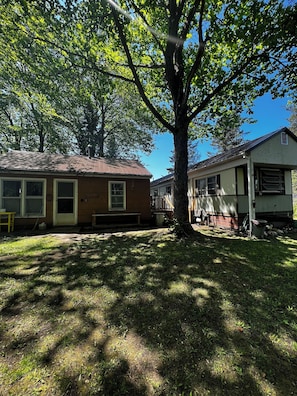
211, 185
117, 189
65, 189
12, 205
34, 189
284, 138
65, 205
11, 188
117, 195
200, 186
117, 202
34, 206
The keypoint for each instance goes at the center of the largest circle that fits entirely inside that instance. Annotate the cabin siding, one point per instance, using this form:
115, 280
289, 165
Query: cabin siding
273, 152
92, 197
255, 179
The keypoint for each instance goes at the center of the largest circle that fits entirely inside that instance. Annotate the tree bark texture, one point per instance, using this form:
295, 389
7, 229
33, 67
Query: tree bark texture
181, 176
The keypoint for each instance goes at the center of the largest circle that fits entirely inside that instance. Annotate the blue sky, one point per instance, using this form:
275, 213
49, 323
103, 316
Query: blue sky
270, 115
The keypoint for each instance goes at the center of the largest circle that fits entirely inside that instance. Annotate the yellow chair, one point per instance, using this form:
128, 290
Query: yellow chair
7, 219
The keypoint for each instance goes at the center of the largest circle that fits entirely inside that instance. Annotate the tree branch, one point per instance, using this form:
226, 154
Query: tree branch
151, 30
239, 71
191, 16
132, 67
77, 55
200, 53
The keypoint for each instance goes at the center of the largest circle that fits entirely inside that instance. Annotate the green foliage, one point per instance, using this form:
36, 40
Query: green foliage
293, 118
228, 135
53, 97
293, 128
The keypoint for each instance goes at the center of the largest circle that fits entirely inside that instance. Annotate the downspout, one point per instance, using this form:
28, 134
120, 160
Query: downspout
251, 192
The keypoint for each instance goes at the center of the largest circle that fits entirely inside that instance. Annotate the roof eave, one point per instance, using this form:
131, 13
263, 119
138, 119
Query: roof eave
74, 173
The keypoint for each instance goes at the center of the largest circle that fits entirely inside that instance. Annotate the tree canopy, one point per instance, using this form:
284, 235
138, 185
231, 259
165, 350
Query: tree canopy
52, 99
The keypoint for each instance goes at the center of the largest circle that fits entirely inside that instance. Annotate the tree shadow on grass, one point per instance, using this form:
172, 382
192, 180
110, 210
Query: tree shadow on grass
153, 315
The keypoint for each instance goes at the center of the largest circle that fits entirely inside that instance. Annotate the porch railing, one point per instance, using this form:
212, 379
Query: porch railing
164, 202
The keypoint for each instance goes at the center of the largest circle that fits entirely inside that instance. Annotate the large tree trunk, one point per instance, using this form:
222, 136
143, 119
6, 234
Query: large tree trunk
181, 212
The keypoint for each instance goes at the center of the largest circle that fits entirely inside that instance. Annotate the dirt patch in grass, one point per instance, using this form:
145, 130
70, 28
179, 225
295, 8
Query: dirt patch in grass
142, 313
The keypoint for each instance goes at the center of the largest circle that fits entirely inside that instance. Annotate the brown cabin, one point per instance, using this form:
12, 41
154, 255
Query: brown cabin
67, 190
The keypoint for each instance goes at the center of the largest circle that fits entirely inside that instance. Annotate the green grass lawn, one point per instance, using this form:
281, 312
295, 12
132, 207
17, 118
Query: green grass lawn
147, 314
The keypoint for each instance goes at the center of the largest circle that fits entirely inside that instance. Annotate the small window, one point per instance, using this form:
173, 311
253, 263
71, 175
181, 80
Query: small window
207, 186
168, 190
284, 138
25, 197
200, 187
34, 198
213, 184
11, 195
117, 196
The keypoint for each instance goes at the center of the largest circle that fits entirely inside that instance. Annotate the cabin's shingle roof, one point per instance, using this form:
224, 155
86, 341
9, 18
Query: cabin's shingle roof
35, 162
228, 155
239, 150
162, 179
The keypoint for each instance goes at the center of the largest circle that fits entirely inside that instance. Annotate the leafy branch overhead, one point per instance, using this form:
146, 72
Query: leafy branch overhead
55, 94
205, 47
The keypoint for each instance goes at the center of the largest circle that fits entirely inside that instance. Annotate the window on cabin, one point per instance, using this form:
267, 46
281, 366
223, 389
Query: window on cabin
207, 186
200, 187
168, 190
11, 195
213, 184
33, 197
117, 196
284, 138
24, 197
271, 181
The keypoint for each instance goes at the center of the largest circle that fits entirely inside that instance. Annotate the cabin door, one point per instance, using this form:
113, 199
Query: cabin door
65, 202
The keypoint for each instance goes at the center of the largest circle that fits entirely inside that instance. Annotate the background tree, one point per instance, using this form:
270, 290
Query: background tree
28, 88
293, 118
193, 155
228, 134
293, 128
60, 104
109, 119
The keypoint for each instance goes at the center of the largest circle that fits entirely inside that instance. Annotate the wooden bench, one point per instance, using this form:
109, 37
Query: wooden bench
115, 219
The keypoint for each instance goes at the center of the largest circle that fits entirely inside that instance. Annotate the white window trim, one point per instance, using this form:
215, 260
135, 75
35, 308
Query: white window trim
23, 195
110, 208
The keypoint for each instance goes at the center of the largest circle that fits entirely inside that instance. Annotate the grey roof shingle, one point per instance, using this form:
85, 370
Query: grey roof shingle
239, 150
228, 155
35, 162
